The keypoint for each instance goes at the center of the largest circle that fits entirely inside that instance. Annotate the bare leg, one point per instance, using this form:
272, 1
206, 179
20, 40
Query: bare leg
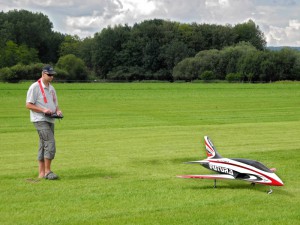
47, 166
41, 168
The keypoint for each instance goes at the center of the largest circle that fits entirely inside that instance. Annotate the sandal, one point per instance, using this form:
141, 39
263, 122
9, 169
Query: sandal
51, 176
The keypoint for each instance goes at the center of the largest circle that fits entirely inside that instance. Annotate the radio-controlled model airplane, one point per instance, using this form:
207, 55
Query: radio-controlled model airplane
240, 169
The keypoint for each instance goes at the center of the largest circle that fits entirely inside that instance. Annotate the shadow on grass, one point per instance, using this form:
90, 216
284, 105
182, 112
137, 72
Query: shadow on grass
88, 173
156, 161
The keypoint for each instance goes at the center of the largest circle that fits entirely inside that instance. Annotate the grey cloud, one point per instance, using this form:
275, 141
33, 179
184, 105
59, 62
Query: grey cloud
278, 19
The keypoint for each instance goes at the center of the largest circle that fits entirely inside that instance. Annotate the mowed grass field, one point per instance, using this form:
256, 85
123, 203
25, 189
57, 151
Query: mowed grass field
120, 147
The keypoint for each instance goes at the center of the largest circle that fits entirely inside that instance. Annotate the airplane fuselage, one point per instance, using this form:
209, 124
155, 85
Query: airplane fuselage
243, 170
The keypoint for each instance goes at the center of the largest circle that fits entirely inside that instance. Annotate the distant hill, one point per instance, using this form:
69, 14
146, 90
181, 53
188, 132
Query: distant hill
278, 48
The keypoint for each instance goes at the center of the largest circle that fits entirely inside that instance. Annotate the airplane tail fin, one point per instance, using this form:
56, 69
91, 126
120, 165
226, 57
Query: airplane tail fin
211, 151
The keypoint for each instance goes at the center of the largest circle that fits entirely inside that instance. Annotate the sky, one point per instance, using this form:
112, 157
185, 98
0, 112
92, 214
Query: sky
279, 20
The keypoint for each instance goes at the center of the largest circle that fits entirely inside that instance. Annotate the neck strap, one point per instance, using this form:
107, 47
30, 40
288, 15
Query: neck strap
42, 90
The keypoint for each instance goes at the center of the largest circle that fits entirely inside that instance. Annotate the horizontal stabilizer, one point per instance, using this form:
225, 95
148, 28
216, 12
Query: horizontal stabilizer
213, 176
195, 162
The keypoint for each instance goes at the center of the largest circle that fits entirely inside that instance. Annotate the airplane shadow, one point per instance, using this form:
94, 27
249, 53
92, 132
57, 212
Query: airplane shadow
232, 187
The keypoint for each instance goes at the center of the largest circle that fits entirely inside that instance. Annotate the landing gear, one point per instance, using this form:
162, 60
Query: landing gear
215, 183
270, 191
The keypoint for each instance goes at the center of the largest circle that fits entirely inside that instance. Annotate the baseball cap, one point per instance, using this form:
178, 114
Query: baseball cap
48, 69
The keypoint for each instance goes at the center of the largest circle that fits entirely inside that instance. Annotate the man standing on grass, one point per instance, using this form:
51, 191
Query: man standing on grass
42, 103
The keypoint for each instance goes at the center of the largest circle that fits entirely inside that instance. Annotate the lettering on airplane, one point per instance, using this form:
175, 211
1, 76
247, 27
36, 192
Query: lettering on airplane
221, 169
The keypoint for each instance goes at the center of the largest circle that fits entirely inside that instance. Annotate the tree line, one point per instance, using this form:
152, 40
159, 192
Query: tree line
240, 63
150, 50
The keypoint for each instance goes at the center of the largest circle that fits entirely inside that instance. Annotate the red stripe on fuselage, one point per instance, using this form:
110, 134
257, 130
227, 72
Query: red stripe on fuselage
273, 181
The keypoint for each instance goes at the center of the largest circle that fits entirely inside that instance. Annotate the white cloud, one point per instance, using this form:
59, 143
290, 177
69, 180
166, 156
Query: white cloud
53, 3
112, 13
294, 24
285, 36
142, 7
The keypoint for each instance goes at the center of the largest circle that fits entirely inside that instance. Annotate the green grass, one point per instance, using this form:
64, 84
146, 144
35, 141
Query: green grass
120, 147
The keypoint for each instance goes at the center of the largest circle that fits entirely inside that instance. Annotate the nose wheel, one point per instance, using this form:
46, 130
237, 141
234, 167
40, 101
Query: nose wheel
270, 191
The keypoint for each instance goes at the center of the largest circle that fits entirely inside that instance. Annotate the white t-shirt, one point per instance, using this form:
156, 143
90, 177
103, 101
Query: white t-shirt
35, 96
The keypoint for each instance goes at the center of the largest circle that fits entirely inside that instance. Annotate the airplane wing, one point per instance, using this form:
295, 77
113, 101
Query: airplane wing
212, 176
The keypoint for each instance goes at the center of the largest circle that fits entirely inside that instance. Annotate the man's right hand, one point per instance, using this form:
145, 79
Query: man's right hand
47, 111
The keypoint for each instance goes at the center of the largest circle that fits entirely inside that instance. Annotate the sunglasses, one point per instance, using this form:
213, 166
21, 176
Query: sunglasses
50, 75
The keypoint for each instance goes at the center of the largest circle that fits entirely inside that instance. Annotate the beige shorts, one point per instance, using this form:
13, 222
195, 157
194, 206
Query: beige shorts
47, 147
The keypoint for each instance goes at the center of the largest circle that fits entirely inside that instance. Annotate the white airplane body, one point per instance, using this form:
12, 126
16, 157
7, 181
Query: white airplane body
235, 168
